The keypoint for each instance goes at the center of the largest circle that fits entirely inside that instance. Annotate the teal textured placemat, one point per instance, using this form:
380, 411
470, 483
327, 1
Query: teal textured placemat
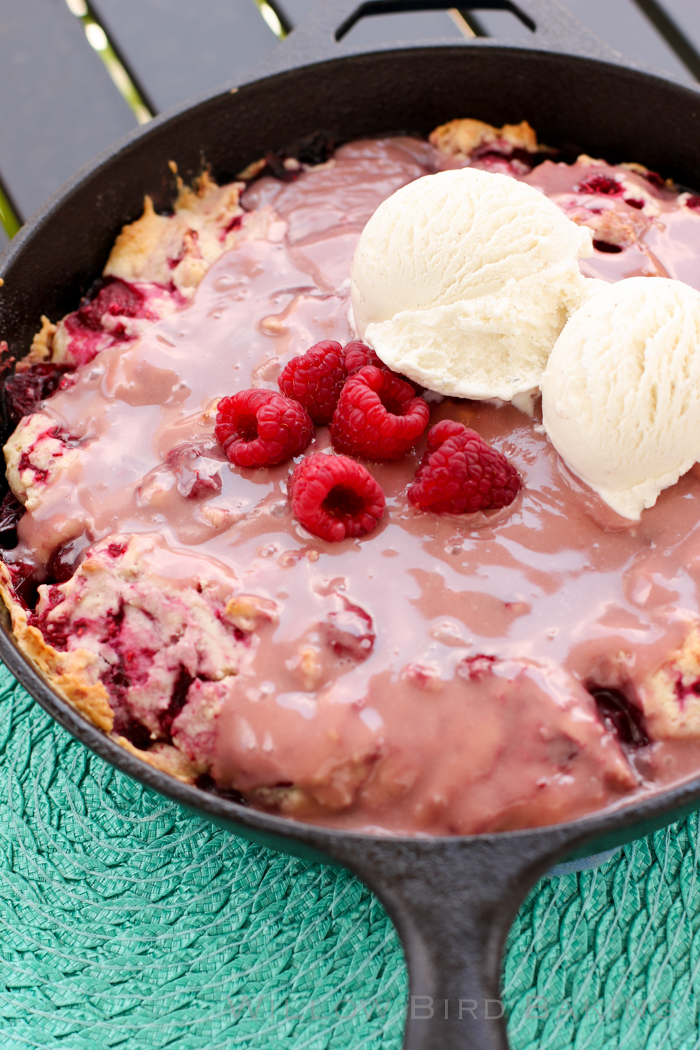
126, 922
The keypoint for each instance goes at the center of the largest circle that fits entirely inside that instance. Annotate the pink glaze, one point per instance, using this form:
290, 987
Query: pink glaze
452, 654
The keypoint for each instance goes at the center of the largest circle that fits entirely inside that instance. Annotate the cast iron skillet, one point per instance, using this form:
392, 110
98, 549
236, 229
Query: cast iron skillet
452, 899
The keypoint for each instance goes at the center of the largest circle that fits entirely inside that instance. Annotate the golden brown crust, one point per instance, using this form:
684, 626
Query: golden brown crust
180, 247
167, 759
68, 673
140, 252
459, 138
253, 169
42, 346
176, 250
671, 705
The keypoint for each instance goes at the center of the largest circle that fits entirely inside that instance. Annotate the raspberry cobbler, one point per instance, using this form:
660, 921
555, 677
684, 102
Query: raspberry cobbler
220, 551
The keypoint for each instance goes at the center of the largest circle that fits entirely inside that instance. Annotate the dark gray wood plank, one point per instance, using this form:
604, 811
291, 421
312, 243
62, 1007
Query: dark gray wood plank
621, 24
295, 11
175, 50
678, 21
59, 105
375, 30
501, 25
686, 16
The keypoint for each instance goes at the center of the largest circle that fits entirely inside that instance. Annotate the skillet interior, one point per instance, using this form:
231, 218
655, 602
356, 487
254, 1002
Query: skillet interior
452, 900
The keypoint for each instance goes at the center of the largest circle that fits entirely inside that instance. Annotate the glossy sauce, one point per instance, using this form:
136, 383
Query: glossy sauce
452, 654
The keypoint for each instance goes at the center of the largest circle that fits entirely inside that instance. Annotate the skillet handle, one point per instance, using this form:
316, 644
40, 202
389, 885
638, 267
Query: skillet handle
320, 36
453, 902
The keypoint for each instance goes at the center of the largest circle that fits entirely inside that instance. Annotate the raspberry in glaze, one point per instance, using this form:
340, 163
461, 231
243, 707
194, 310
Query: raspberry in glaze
461, 474
438, 675
315, 379
378, 415
335, 497
260, 428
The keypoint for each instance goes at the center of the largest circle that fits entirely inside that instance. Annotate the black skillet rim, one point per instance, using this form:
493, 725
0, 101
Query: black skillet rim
615, 826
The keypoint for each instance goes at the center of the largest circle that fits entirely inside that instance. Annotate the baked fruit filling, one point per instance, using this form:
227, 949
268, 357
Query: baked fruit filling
270, 565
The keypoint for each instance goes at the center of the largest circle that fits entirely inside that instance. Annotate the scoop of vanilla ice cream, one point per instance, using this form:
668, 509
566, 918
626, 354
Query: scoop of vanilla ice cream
621, 391
464, 279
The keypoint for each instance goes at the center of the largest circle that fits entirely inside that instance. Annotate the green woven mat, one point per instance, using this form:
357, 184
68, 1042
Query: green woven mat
129, 923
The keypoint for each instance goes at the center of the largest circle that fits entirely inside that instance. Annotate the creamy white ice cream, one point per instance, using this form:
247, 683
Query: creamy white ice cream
464, 279
621, 391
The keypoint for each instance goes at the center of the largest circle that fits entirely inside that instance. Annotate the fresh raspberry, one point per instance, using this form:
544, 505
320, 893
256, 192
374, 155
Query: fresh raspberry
315, 379
335, 497
259, 428
603, 185
358, 354
461, 474
378, 415
693, 202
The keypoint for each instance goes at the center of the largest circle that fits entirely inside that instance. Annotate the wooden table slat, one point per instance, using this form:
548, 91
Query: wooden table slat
502, 25
620, 23
295, 11
625, 27
176, 50
686, 15
682, 19
60, 106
